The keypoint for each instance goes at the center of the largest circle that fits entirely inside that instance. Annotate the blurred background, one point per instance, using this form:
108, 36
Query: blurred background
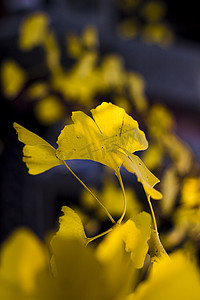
61, 55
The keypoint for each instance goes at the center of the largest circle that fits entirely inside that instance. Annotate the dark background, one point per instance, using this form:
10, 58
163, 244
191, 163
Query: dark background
172, 76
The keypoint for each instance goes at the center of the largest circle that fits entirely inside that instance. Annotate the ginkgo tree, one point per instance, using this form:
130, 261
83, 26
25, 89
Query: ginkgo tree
109, 137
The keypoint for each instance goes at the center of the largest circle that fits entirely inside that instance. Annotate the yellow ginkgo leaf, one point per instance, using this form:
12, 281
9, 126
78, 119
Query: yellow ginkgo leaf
135, 165
171, 278
33, 31
12, 77
39, 155
134, 235
22, 258
98, 139
70, 226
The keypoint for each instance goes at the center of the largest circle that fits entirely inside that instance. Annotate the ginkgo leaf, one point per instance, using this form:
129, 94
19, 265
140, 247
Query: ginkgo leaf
22, 258
39, 155
135, 165
70, 226
134, 234
33, 31
174, 277
12, 77
98, 139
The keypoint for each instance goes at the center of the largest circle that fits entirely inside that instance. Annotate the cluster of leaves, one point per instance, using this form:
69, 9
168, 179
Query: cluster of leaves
72, 267
93, 74
121, 260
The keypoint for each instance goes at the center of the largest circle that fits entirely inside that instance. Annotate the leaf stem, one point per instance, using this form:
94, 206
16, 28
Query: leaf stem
98, 236
91, 193
124, 196
152, 213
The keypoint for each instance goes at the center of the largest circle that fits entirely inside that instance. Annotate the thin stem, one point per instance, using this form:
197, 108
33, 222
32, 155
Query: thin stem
98, 236
124, 196
152, 213
91, 193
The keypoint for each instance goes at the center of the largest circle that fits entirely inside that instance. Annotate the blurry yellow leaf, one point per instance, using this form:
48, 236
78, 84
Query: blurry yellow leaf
135, 165
181, 155
113, 71
158, 114
136, 86
134, 234
78, 274
153, 158
12, 77
170, 188
153, 11
49, 110
190, 193
22, 258
39, 155
90, 38
175, 278
38, 90
33, 31
157, 33
98, 139
70, 227
74, 47
52, 52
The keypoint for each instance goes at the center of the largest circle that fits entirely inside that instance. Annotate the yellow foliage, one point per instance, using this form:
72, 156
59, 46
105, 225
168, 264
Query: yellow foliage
157, 33
12, 77
190, 193
135, 165
49, 110
153, 11
171, 278
39, 155
22, 258
33, 31
38, 90
98, 139
134, 234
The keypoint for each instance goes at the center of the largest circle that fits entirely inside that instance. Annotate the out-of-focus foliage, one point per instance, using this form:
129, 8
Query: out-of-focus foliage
144, 19
113, 267
12, 77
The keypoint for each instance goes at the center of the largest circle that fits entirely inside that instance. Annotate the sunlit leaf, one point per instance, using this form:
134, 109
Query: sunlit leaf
98, 139
22, 258
172, 278
135, 165
39, 155
12, 77
134, 234
70, 226
33, 31
49, 110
